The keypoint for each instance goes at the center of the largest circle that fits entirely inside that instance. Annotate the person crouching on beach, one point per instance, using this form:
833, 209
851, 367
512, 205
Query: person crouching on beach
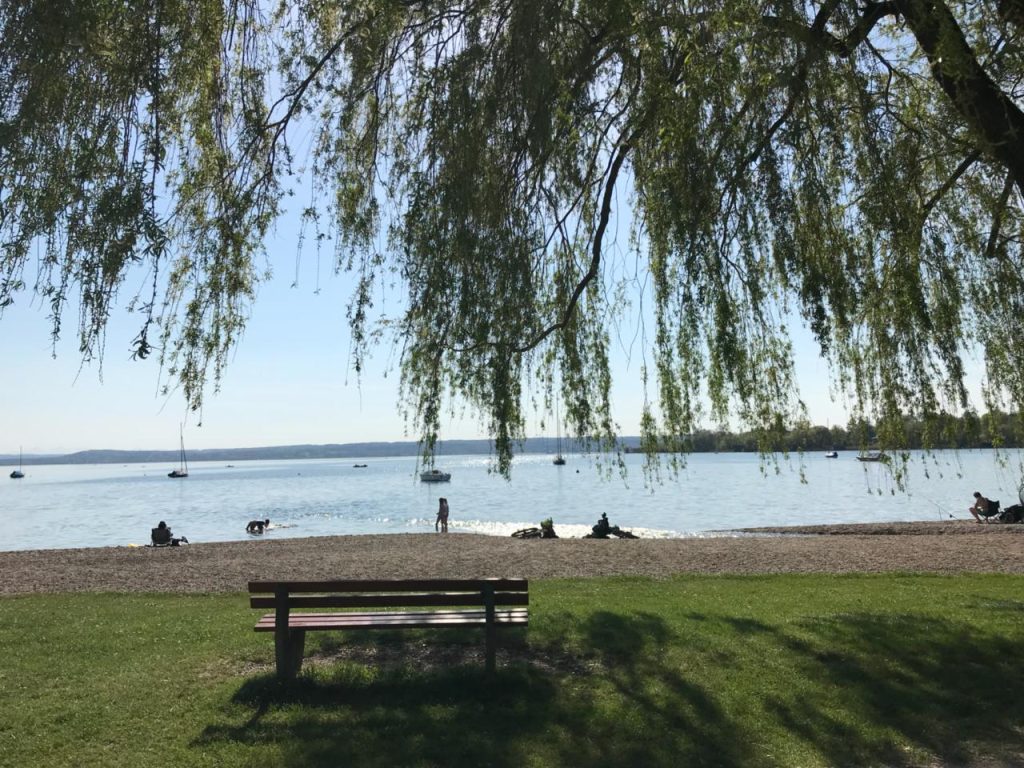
981, 506
441, 523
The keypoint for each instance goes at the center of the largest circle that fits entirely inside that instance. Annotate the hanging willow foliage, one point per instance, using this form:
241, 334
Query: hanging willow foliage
859, 166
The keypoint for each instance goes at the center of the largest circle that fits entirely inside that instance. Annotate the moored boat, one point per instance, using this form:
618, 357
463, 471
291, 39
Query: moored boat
559, 460
17, 474
435, 476
873, 456
182, 470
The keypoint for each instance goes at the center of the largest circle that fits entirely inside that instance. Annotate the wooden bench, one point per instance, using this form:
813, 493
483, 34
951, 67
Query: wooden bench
392, 604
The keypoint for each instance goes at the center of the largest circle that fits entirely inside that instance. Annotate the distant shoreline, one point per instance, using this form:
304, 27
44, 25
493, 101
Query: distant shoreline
370, 450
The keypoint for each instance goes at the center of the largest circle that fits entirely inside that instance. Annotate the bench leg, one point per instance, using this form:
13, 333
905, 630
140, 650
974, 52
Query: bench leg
490, 641
288, 650
489, 631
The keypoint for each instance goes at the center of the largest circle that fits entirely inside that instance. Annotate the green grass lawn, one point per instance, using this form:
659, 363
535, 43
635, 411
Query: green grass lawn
768, 671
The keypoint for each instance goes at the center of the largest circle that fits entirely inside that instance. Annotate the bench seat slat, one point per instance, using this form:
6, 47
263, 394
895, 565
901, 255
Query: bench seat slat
392, 620
392, 600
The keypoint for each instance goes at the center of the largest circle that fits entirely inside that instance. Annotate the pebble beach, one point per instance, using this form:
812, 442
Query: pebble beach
950, 547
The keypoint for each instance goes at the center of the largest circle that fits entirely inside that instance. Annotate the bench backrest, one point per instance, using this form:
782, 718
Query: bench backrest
388, 593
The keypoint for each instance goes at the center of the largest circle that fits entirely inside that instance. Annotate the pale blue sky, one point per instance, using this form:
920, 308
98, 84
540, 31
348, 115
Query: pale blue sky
288, 381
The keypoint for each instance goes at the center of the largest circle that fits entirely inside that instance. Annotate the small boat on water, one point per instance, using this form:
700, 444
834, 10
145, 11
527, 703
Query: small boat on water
182, 470
832, 454
435, 476
559, 460
17, 474
873, 456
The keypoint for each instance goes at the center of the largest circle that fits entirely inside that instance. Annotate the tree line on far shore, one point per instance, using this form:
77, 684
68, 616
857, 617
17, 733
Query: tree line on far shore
989, 430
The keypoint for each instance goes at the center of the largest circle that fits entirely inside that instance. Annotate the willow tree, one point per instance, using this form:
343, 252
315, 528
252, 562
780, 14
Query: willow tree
855, 166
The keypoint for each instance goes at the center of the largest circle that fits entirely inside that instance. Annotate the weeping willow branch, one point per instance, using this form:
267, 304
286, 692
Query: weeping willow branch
595, 249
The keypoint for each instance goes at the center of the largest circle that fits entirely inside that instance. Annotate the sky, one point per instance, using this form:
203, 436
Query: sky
288, 381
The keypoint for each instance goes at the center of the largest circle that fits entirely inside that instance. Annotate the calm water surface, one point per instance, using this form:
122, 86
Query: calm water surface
102, 505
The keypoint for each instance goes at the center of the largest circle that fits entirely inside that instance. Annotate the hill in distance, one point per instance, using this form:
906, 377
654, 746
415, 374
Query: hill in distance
290, 452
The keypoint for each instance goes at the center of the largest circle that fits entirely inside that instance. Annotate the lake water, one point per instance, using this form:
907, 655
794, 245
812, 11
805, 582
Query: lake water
61, 506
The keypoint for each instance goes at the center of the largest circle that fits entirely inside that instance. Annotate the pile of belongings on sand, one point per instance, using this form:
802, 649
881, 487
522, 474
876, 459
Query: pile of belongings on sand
602, 530
1014, 514
546, 531
1011, 514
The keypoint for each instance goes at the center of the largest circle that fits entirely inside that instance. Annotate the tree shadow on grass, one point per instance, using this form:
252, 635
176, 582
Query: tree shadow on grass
614, 704
666, 717
945, 690
620, 689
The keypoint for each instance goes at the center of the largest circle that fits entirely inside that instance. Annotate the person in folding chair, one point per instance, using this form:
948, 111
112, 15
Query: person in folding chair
161, 537
983, 508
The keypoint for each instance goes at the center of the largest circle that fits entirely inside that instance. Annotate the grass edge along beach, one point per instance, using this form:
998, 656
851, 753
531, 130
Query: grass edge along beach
773, 670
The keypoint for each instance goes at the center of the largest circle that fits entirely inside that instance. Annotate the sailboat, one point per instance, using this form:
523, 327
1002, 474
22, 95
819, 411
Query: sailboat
17, 474
182, 470
434, 475
559, 460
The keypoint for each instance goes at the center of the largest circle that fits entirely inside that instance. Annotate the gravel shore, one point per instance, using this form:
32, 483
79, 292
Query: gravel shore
941, 547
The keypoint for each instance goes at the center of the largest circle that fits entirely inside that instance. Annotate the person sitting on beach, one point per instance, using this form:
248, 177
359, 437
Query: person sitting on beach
257, 526
161, 536
981, 506
603, 527
442, 515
